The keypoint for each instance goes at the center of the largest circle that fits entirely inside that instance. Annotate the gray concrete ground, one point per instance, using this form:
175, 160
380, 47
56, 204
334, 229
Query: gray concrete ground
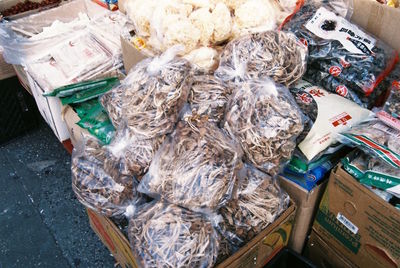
41, 222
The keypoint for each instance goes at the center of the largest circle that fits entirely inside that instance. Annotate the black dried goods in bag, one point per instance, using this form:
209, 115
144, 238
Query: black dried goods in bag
343, 58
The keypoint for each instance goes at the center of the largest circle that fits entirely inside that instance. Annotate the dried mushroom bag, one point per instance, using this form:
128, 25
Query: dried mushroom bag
194, 168
156, 89
208, 96
266, 120
130, 154
259, 202
342, 58
275, 54
376, 138
166, 235
372, 171
97, 188
329, 115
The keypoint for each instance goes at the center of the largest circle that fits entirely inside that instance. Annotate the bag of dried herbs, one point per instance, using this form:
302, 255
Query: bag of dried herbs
275, 54
195, 167
166, 235
342, 57
258, 202
155, 91
265, 119
105, 191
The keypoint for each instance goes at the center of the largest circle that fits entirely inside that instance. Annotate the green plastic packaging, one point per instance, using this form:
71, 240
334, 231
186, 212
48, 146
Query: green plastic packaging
82, 108
69, 90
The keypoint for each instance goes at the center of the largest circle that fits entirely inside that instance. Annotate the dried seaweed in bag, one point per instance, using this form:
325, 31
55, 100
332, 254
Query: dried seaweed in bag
265, 119
194, 168
258, 203
208, 97
155, 92
273, 54
95, 187
342, 57
165, 235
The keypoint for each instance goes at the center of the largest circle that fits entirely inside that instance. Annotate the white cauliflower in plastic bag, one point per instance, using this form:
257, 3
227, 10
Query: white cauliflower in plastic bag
222, 23
140, 12
203, 20
182, 32
205, 58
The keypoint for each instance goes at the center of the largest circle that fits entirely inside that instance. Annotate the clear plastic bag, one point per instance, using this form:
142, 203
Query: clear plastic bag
376, 138
266, 120
208, 97
342, 58
131, 155
166, 235
95, 187
112, 103
155, 91
258, 203
273, 54
194, 168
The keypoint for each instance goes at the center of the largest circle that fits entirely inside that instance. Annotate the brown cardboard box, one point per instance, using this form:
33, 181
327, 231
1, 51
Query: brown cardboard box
357, 223
256, 253
307, 204
130, 55
6, 70
322, 255
76, 133
381, 20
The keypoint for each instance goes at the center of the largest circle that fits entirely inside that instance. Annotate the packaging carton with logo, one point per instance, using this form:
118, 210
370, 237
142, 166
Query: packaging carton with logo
357, 223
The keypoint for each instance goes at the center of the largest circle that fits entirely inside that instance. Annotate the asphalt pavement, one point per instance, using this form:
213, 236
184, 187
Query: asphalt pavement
41, 222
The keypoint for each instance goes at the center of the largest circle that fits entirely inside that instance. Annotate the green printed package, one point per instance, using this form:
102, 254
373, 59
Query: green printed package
373, 171
70, 90
82, 108
96, 121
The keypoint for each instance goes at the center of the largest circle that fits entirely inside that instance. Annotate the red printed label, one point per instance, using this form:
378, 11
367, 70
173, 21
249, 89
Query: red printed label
335, 71
342, 90
304, 98
341, 119
304, 42
316, 93
396, 84
344, 63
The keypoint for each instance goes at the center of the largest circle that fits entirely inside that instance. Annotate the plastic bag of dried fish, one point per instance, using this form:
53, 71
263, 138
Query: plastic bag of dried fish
266, 120
195, 167
342, 58
112, 103
208, 97
258, 202
166, 235
155, 91
376, 138
130, 154
94, 185
278, 55
390, 112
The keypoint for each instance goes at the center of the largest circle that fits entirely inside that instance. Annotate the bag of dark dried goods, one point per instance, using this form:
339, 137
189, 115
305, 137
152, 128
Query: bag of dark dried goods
166, 235
342, 57
328, 114
390, 112
153, 93
95, 187
195, 167
266, 120
131, 154
258, 203
275, 54
376, 138
208, 97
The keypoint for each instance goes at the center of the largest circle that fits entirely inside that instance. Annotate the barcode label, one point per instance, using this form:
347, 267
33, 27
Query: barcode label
340, 217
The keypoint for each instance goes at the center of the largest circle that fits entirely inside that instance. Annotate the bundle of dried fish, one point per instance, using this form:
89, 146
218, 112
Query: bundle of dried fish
260, 200
165, 235
266, 120
131, 155
155, 91
273, 54
112, 103
208, 97
97, 189
194, 168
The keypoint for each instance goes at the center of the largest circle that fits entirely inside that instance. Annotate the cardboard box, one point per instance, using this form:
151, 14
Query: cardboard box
381, 20
322, 255
6, 70
130, 55
256, 253
357, 223
22, 77
70, 117
307, 204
